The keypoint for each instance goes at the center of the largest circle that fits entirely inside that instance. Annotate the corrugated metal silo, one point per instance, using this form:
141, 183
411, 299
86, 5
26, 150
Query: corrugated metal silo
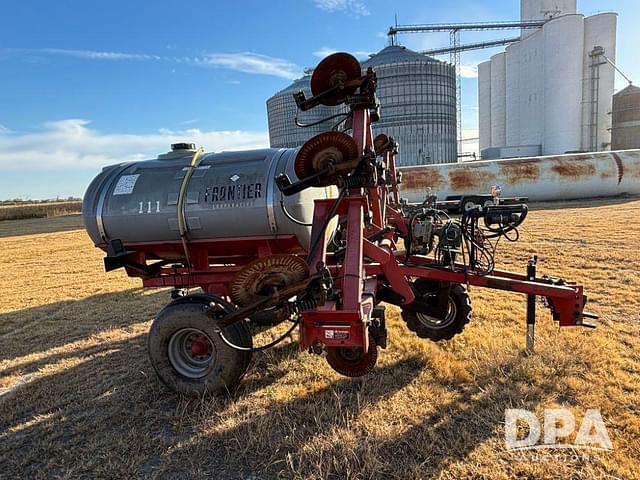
498, 101
418, 108
281, 112
626, 119
484, 104
418, 105
563, 47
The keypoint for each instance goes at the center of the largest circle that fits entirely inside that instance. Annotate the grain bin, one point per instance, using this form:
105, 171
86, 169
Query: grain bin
418, 105
281, 113
626, 119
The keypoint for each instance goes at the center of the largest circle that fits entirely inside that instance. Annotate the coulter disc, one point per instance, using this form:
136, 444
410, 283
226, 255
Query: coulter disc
335, 69
265, 276
324, 149
353, 361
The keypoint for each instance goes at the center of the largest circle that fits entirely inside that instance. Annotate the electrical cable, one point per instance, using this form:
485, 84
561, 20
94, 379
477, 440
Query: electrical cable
331, 117
335, 126
262, 347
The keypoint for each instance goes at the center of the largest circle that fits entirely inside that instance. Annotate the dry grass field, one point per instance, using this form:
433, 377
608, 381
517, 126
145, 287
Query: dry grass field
79, 399
38, 210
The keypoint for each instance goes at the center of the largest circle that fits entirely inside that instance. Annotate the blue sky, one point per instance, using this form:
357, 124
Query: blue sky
84, 84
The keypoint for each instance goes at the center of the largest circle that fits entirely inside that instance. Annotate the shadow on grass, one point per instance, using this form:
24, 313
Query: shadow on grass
42, 328
319, 436
101, 412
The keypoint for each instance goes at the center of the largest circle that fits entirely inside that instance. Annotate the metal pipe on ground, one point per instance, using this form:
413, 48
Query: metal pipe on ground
556, 177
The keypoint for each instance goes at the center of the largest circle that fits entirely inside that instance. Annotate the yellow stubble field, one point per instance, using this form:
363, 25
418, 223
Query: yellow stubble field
79, 398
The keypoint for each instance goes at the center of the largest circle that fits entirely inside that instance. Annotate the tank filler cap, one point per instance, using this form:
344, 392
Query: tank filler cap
178, 150
183, 146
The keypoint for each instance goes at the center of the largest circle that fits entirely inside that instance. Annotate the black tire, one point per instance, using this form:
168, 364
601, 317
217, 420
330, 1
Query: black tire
218, 370
243, 332
458, 315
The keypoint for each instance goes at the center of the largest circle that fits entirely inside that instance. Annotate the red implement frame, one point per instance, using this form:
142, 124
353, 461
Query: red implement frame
357, 274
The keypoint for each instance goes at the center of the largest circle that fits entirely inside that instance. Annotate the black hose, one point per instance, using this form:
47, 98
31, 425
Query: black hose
262, 347
306, 125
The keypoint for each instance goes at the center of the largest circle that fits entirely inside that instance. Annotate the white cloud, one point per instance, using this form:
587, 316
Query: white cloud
72, 145
248, 62
325, 51
356, 8
97, 55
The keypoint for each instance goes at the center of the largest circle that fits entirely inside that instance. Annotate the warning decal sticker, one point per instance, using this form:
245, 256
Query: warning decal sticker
125, 184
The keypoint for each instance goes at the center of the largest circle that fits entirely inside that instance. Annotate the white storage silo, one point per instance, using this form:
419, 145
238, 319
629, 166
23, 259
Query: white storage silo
563, 50
531, 90
557, 84
498, 101
484, 104
544, 10
599, 80
512, 82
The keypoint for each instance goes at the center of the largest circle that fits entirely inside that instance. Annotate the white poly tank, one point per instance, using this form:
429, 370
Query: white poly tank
484, 104
563, 47
599, 31
498, 101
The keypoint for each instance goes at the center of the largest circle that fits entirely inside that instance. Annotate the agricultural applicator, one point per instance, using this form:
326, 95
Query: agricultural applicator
309, 237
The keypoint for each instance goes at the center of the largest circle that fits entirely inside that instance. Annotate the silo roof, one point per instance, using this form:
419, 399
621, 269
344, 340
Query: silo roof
297, 85
397, 54
386, 56
630, 90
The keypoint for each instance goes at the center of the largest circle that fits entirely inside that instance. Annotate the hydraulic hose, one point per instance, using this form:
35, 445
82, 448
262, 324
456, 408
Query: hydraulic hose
182, 224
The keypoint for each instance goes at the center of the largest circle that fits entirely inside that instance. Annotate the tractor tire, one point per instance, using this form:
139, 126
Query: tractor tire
436, 329
189, 356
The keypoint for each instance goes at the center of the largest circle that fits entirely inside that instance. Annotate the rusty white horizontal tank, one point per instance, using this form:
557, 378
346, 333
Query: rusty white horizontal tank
230, 195
557, 177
